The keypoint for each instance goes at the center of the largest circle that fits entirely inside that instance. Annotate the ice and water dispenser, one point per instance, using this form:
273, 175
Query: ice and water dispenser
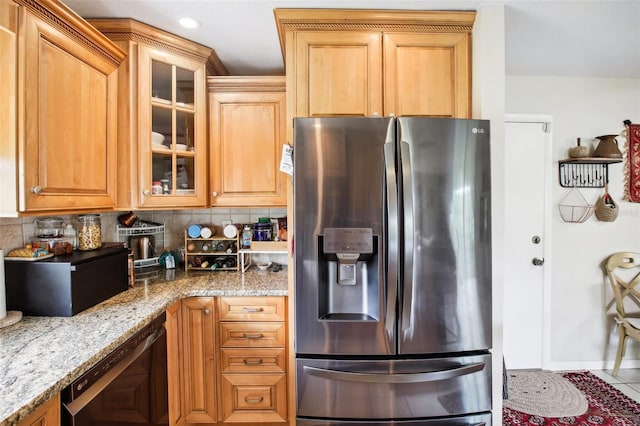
349, 279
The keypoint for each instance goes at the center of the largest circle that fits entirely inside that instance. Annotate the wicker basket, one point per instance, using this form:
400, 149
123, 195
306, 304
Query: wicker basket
606, 209
574, 207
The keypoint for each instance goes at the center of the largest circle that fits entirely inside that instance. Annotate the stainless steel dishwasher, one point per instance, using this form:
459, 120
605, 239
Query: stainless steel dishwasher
127, 387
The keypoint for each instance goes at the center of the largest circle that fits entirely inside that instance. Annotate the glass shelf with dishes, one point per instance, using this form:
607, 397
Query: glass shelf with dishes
172, 130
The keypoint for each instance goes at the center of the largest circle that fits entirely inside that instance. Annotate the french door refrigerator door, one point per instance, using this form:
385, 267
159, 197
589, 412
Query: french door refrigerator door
445, 291
382, 390
340, 206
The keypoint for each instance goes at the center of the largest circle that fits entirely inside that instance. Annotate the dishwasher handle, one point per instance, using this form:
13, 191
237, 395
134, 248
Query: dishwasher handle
75, 406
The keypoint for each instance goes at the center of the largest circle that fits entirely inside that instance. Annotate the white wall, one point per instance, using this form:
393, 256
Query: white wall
582, 335
489, 103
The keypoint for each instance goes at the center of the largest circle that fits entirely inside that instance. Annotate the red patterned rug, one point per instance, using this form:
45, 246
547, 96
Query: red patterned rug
607, 406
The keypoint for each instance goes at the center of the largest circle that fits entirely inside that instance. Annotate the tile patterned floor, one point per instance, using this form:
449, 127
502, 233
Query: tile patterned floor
627, 382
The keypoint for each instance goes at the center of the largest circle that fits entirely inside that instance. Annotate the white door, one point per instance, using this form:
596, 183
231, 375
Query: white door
527, 234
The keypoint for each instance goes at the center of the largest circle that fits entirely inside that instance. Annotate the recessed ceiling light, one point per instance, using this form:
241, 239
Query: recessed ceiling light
189, 22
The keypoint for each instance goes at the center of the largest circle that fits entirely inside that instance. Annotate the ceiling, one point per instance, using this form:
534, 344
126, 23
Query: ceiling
586, 38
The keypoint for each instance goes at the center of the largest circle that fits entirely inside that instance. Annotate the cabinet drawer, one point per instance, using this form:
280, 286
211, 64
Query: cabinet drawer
249, 335
254, 398
252, 308
260, 360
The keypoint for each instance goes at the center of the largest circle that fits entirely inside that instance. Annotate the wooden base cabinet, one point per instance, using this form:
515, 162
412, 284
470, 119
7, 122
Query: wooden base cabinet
58, 111
48, 414
252, 350
175, 374
200, 396
233, 360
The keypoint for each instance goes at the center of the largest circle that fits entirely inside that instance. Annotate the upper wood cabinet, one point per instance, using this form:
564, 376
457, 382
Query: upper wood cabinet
337, 73
57, 111
376, 63
247, 131
162, 113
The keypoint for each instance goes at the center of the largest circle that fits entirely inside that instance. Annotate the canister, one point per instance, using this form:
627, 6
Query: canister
49, 227
89, 232
262, 231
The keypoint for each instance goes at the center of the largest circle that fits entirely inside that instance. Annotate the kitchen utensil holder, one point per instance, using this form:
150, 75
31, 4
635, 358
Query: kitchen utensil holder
574, 207
584, 172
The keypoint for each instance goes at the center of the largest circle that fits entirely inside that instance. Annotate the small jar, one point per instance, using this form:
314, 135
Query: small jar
156, 187
89, 232
165, 186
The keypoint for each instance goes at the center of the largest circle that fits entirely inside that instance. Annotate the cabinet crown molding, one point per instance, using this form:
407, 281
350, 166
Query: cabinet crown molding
66, 20
246, 83
125, 29
371, 20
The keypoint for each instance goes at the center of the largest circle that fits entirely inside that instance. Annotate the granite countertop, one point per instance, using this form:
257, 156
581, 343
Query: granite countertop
39, 356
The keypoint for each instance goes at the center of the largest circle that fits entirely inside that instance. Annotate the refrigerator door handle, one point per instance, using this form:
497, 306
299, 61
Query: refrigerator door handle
393, 238
398, 378
407, 197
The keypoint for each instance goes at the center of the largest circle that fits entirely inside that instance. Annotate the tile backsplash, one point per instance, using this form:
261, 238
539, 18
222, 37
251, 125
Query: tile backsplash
15, 232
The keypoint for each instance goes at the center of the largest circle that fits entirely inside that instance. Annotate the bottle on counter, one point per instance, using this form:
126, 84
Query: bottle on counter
247, 234
71, 235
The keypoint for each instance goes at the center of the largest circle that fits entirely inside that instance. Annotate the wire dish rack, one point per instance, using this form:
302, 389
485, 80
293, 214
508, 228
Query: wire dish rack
141, 227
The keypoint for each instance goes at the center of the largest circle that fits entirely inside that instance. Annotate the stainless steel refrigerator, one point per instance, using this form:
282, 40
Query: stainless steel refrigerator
392, 258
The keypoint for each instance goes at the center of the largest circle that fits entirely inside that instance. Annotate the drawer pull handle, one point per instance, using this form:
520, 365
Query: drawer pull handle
253, 336
249, 400
253, 361
252, 309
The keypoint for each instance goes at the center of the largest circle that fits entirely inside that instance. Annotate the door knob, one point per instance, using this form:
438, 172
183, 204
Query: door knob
537, 261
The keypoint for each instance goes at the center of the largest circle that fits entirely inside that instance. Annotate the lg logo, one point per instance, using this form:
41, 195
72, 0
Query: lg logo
475, 130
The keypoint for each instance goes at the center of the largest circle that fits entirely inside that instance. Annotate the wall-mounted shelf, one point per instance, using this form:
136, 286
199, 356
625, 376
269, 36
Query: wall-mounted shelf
586, 172
275, 247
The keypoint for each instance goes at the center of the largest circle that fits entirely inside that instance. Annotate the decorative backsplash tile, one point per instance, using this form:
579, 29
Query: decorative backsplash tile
15, 232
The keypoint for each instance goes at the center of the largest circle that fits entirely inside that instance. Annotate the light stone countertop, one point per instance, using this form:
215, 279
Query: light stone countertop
39, 356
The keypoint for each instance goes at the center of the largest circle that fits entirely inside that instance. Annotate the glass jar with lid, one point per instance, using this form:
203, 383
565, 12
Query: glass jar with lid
89, 232
49, 227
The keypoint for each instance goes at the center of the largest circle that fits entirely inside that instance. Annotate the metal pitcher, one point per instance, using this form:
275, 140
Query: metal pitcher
607, 147
143, 247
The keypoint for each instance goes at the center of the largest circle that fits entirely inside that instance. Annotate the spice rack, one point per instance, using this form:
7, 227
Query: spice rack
586, 172
216, 253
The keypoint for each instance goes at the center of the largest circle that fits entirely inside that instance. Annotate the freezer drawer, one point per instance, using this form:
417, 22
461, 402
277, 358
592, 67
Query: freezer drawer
393, 389
471, 420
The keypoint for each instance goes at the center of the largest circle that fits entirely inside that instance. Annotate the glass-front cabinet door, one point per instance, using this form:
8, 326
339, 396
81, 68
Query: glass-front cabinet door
172, 122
